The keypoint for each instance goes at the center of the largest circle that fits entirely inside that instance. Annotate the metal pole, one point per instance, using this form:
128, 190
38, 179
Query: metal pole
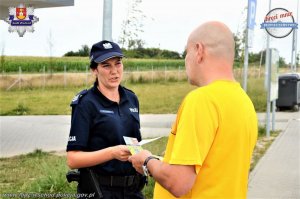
107, 20
293, 57
268, 81
295, 49
273, 114
268, 67
246, 54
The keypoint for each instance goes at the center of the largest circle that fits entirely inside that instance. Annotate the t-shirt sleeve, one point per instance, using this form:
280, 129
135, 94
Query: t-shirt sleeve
196, 129
80, 127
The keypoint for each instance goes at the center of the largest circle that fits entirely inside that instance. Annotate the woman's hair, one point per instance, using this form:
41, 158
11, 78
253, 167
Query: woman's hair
93, 65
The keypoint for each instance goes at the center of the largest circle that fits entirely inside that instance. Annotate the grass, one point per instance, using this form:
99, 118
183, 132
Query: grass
56, 100
262, 144
36, 172
44, 173
156, 97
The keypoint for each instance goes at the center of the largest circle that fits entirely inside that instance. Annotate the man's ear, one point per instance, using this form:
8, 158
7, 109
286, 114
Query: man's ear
200, 52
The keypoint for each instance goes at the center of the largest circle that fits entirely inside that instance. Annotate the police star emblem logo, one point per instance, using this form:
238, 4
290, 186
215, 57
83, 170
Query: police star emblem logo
21, 19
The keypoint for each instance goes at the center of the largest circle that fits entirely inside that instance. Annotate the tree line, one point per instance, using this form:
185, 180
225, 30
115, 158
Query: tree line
139, 52
156, 53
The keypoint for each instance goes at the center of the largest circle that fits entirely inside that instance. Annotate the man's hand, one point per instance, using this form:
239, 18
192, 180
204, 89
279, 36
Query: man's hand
138, 160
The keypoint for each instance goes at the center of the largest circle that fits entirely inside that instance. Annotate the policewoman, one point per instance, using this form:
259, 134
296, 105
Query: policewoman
101, 116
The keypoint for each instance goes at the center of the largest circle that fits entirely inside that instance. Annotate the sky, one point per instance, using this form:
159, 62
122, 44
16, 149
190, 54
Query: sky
167, 25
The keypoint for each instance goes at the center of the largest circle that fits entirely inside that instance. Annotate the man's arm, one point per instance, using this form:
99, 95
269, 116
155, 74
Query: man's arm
177, 179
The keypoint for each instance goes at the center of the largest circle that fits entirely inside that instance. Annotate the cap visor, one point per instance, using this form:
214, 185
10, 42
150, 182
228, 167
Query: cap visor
108, 56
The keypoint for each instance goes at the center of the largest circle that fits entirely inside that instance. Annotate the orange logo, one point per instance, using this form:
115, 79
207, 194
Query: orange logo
21, 13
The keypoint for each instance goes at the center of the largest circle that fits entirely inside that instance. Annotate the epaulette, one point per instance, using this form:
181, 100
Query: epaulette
128, 90
77, 97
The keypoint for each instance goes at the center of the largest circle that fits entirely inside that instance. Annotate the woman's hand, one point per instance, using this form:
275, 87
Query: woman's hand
120, 152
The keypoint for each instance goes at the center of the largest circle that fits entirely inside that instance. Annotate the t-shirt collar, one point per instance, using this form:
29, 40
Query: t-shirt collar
107, 102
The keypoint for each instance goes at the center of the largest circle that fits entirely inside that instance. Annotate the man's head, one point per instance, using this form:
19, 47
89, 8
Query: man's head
103, 51
210, 53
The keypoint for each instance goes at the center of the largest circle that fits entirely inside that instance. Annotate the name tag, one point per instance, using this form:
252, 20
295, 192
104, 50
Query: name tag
106, 111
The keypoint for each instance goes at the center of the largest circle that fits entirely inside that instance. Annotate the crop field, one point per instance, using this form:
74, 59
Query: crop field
11, 64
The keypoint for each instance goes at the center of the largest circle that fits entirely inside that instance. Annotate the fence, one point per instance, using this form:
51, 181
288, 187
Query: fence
44, 79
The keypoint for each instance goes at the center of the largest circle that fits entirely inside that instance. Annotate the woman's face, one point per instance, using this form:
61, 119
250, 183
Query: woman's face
110, 72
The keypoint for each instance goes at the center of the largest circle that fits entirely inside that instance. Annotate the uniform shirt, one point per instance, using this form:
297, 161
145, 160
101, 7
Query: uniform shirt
98, 123
215, 130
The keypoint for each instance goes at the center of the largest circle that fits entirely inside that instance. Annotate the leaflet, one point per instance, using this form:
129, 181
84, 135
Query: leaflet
132, 144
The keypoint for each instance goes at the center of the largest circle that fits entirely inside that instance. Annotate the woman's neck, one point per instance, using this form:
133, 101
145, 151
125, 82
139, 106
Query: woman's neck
112, 94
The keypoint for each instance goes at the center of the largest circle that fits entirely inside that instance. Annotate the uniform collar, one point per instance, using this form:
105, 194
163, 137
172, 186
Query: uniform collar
107, 102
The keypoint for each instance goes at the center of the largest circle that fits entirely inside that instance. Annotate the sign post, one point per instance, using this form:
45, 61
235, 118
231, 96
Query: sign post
249, 37
272, 87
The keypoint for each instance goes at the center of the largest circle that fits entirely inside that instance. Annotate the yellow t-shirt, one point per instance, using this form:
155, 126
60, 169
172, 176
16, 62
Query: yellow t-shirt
215, 130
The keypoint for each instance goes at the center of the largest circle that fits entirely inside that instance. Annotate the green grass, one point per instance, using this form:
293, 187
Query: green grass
36, 172
157, 97
41, 172
154, 98
263, 143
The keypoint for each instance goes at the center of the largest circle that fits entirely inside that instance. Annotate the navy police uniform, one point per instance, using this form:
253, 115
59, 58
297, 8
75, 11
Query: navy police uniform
98, 123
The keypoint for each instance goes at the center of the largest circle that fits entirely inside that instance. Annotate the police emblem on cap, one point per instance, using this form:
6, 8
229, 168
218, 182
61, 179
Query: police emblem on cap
107, 46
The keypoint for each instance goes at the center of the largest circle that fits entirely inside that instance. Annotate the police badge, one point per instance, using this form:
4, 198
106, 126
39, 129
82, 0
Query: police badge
21, 19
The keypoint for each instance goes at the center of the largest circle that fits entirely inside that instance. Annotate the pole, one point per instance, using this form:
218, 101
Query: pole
273, 114
268, 78
107, 20
295, 50
268, 81
246, 54
246, 63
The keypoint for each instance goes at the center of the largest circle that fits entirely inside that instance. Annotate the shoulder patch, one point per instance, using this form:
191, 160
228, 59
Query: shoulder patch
128, 90
77, 97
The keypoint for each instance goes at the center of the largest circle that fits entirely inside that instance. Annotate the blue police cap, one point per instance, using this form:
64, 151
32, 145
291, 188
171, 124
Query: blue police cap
105, 50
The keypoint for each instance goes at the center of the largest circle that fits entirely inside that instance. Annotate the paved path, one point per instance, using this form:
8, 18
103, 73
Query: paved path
23, 134
277, 174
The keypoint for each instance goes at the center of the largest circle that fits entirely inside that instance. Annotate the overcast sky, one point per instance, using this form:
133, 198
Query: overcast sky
167, 25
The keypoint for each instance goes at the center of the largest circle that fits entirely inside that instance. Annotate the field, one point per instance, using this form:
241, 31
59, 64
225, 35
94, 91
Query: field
157, 97
11, 64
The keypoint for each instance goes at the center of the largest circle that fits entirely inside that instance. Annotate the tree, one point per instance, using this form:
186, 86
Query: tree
237, 47
132, 26
83, 52
281, 62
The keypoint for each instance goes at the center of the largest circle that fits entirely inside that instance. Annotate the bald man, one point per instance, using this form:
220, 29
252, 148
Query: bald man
210, 145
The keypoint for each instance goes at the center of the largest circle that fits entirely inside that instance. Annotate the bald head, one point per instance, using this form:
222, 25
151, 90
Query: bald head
216, 38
